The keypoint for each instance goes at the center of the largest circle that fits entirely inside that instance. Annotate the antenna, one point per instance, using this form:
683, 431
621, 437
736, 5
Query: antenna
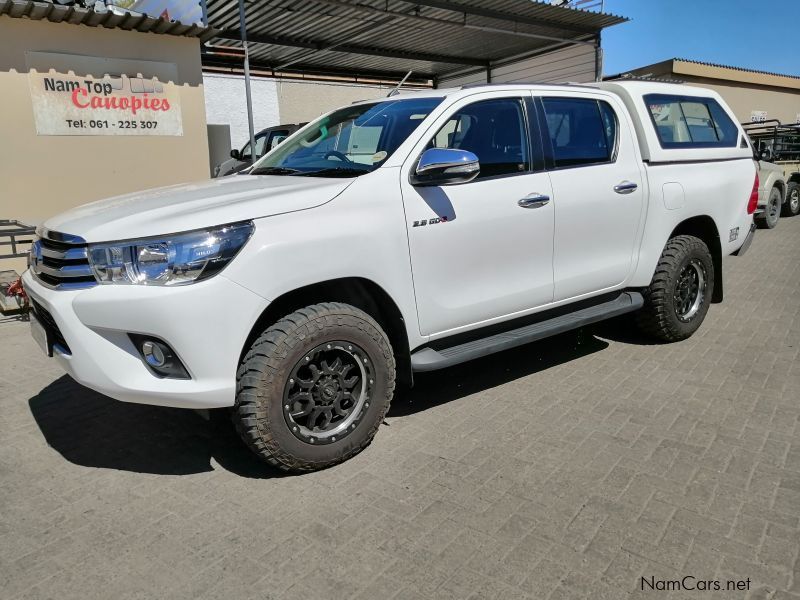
396, 89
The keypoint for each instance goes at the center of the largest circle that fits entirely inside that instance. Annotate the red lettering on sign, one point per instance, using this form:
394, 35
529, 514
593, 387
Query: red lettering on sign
82, 99
79, 92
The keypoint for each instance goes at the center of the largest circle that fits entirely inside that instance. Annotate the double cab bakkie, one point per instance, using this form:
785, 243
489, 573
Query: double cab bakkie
396, 236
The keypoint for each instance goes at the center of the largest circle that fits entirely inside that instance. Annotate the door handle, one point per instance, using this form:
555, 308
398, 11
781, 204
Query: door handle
626, 187
534, 201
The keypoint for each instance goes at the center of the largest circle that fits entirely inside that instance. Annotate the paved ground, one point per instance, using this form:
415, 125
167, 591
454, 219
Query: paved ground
568, 469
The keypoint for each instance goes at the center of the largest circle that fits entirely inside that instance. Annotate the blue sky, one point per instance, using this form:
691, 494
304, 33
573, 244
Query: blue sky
763, 35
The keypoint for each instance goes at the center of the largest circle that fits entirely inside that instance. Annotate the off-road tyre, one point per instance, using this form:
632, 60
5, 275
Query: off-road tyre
772, 211
791, 208
263, 377
659, 318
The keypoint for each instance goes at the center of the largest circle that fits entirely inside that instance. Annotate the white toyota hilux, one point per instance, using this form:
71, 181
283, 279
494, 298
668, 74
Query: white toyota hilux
396, 236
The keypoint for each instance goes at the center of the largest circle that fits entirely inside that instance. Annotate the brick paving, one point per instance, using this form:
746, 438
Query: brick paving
567, 469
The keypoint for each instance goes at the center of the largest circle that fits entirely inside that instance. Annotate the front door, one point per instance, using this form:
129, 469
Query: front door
479, 250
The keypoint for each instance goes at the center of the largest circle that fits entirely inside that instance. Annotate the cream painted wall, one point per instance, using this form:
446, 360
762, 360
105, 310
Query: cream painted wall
301, 101
743, 98
44, 175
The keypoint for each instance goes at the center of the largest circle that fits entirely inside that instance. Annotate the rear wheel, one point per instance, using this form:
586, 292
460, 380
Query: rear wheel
314, 387
792, 205
679, 295
772, 212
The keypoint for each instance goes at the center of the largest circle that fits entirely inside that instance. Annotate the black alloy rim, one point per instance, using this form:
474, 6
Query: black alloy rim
690, 290
328, 392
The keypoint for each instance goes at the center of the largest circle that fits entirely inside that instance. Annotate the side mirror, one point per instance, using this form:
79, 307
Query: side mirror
445, 166
235, 154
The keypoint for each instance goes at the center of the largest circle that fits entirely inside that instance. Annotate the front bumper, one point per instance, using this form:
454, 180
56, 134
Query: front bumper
206, 324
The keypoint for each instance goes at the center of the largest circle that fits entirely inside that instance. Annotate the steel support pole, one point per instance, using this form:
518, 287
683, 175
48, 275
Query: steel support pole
247, 92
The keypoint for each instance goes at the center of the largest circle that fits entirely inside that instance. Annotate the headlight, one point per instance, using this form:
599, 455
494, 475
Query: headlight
175, 260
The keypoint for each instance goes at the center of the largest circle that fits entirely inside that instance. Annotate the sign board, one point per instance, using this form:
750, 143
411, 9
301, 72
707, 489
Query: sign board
127, 103
758, 116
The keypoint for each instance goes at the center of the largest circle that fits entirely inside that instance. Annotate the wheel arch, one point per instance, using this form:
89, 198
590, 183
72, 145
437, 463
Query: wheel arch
781, 185
794, 178
704, 227
356, 291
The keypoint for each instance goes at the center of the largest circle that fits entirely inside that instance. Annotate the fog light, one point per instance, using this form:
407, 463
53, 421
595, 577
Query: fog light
153, 354
159, 358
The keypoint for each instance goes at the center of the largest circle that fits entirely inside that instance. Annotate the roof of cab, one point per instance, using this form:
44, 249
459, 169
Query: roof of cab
468, 90
635, 88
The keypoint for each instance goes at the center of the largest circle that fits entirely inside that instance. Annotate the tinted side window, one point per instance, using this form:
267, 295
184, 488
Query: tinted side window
582, 131
494, 130
260, 141
276, 137
691, 122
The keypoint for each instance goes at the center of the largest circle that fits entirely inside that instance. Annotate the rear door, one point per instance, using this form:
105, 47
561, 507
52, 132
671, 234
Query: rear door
598, 191
479, 251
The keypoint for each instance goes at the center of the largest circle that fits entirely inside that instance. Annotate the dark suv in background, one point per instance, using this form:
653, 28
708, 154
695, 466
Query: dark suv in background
266, 140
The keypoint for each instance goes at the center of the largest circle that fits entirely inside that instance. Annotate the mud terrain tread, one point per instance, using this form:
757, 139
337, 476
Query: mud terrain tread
264, 362
655, 318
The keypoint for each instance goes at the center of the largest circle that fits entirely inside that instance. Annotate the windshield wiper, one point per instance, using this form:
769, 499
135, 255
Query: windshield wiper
336, 172
272, 171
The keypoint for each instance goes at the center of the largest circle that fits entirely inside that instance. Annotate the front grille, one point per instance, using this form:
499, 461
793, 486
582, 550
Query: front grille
49, 323
61, 261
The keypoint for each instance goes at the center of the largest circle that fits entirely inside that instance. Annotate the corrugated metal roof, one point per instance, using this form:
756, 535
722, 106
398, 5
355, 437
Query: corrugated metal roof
709, 64
387, 38
76, 15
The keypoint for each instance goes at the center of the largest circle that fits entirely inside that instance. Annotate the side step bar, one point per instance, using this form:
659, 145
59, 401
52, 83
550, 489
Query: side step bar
428, 359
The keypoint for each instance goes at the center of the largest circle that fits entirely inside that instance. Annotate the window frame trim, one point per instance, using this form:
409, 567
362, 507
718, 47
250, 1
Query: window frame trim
680, 98
548, 142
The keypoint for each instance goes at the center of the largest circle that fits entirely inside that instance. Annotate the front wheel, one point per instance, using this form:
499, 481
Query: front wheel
791, 208
679, 295
314, 387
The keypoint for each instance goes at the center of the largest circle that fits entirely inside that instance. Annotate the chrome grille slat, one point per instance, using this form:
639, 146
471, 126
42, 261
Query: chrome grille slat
61, 261
69, 254
67, 271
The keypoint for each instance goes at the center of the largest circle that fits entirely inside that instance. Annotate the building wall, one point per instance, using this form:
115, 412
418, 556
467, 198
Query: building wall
301, 101
43, 175
744, 98
276, 102
575, 63
226, 104
744, 91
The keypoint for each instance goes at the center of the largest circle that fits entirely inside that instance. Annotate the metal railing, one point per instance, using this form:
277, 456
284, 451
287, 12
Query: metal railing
18, 236
774, 140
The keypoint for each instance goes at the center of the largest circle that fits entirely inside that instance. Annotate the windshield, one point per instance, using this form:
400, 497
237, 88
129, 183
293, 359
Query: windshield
350, 141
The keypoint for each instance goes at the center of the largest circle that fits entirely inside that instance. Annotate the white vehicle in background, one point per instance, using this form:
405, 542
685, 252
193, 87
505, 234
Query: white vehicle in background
397, 236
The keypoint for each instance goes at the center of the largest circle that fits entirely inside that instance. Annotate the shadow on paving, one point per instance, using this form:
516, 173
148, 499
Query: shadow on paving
92, 430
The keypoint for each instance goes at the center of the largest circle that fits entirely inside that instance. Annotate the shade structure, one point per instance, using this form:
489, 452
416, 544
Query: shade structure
385, 39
